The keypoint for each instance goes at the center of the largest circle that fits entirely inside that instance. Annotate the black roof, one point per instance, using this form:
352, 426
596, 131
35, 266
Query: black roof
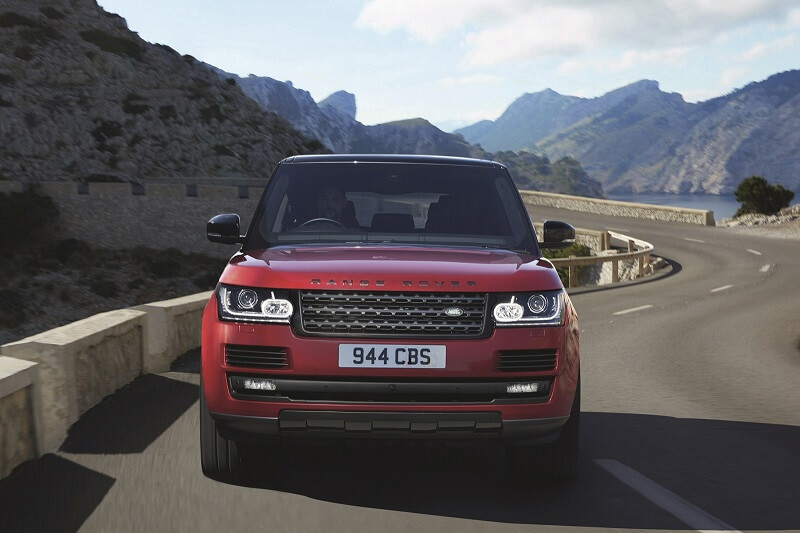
392, 158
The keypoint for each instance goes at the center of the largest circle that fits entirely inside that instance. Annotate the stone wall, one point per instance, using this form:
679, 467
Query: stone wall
619, 209
173, 329
48, 380
80, 364
18, 442
165, 216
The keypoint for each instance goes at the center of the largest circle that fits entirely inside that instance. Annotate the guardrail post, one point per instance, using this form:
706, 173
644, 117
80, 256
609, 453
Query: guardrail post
614, 270
640, 273
606, 245
631, 246
573, 273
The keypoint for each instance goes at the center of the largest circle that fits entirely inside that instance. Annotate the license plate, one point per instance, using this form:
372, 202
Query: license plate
392, 356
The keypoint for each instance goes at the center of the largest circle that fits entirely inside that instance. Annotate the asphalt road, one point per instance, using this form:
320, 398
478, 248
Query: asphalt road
691, 420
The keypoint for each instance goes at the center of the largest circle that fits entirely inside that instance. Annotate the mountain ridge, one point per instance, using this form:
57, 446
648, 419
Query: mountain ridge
638, 138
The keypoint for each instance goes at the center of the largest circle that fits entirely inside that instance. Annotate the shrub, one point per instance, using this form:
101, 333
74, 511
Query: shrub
12, 307
23, 52
133, 104
164, 268
104, 287
6, 79
51, 13
9, 19
167, 112
757, 195
24, 216
577, 250
115, 45
231, 81
69, 247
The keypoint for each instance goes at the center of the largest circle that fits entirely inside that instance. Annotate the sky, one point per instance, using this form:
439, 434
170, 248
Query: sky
455, 62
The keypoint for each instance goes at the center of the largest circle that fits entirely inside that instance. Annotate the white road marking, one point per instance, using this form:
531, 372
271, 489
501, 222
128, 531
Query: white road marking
724, 287
765, 268
634, 309
754, 252
618, 229
692, 240
684, 511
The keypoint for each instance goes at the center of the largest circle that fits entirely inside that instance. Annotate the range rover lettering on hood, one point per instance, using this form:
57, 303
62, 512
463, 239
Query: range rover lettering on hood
382, 283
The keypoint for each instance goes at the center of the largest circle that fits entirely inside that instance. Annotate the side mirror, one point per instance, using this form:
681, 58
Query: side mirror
557, 235
224, 229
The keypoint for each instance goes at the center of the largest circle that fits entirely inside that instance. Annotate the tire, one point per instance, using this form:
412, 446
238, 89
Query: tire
220, 458
554, 462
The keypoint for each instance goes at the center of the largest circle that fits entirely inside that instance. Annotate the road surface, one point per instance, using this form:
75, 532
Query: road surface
691, 420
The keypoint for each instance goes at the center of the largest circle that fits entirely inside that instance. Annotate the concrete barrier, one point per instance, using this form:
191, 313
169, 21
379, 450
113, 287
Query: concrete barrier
80, 364
620, 209
48, 380
173, 328
19, 433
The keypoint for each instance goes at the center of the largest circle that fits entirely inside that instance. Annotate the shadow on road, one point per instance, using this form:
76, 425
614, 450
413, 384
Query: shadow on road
131, 418
746, 475
50, 494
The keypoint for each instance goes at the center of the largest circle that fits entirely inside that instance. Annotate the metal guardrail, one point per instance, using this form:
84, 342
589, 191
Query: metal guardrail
638, 250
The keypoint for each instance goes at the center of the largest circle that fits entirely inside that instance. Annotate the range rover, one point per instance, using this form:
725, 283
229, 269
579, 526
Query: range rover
389, 297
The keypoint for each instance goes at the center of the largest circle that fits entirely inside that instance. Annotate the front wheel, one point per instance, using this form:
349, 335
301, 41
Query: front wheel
553, 462
221, 459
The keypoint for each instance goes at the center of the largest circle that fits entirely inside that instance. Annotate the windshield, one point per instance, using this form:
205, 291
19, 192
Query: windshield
407, 203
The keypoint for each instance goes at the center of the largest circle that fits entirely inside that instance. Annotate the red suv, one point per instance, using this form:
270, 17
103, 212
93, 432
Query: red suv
390, 297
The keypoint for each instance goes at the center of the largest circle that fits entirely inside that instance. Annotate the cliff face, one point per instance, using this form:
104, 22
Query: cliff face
333, 122
643, 139
83, 97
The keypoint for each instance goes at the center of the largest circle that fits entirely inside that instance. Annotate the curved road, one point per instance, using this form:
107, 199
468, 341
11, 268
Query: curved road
691, 420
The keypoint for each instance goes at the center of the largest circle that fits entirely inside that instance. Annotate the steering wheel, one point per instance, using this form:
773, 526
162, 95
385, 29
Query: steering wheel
322, 219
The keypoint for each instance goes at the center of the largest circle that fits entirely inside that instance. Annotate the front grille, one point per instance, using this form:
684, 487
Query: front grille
526, 360
396, 314
255, 356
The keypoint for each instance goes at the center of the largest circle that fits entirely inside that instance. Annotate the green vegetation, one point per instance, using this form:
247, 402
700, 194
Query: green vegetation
134, 104
577, 250
757, 195
9, 19
25, 217
115, 45
52, 13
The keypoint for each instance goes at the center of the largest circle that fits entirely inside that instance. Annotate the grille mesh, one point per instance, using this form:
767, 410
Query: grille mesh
526, 360
255, 356
391, 313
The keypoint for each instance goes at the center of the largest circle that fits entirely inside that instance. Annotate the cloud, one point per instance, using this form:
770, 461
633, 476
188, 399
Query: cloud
502, 31
469, 79
626, 60
761, 49
730, 76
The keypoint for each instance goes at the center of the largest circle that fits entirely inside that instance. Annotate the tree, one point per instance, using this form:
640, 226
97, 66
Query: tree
757, 195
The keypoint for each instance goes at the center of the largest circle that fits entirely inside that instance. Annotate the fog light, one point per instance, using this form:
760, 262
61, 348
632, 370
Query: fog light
523, 388
259, 384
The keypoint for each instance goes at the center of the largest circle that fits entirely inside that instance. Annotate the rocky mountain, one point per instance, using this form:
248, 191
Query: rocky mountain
639, 138
333, 122
84, 98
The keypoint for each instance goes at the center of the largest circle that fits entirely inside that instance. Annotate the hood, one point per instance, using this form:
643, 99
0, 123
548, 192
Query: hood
390, 268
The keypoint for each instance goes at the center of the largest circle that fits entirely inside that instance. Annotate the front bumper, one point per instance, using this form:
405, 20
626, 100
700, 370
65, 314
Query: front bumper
313, 365
388, 425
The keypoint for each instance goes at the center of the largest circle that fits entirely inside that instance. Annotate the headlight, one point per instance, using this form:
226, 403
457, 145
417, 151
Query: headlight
544, 308
245, 304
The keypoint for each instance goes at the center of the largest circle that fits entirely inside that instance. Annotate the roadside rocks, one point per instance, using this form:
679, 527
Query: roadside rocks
785, 215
